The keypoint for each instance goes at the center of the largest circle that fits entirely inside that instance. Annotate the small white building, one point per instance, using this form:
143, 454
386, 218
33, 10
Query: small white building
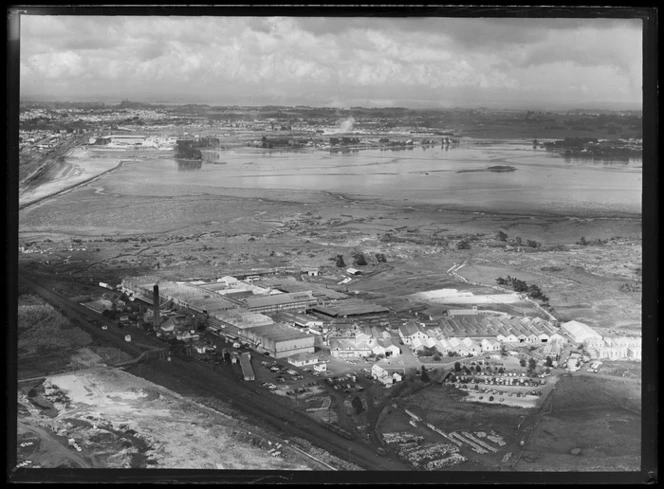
303, 359
385, 375
543, 338
557, 338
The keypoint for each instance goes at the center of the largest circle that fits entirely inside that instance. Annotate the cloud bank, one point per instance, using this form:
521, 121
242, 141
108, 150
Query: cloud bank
421, 62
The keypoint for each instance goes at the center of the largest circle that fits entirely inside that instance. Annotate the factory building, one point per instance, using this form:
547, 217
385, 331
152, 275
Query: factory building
280, 302
278, 340
125, 139
350, 309
580, 332
182, 294
243, 319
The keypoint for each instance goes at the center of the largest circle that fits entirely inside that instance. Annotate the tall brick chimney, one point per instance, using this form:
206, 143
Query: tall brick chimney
155, 302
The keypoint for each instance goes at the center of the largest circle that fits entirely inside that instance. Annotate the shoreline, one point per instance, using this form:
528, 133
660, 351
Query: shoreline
70, 187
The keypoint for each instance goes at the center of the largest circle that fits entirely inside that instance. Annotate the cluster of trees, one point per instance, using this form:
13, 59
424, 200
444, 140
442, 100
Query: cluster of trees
584, 242
464, 244
189, 148
274, 142
345, 141
517, 285
502, 236
478, 368
358, 259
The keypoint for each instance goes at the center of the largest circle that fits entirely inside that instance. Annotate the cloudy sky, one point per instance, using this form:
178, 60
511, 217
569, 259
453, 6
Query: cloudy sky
333, 61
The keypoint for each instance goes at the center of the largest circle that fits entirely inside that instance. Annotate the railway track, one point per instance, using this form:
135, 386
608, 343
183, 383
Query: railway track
219, 384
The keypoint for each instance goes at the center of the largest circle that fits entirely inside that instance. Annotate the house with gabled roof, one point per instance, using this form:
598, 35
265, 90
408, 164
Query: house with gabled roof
380, 333
411, 331
390, 346
443, 346
471, 346
417, 344
511, 338
363, 334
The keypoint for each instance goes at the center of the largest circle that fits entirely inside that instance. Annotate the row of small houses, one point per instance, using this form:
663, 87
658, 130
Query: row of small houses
365, 341
418, 337
489, 325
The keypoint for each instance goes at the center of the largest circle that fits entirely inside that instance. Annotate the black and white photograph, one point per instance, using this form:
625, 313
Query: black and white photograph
390, 245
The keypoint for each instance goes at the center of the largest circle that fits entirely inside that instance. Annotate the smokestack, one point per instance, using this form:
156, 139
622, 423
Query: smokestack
155, 303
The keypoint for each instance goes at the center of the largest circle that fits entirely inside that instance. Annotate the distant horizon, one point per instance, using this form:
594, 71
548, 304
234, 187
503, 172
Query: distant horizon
112, 101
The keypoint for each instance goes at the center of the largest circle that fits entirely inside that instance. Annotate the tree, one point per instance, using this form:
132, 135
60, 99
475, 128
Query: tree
501, 281
518, 240
502, 236
425, 375
522, 362
478, 369
548, 362
357, 404
490, 398
464, 244
457, 367
583, 241
534, 291
532, 363
519, 285
533, 243
501, 370
339, 259
359, 259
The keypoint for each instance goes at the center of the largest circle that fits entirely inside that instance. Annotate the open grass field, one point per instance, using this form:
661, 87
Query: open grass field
594, 425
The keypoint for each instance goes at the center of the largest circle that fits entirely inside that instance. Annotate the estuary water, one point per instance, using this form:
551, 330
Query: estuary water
457, 177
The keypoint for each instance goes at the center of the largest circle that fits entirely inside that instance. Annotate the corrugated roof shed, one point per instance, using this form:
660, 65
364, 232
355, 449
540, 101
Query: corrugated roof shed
277, 299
